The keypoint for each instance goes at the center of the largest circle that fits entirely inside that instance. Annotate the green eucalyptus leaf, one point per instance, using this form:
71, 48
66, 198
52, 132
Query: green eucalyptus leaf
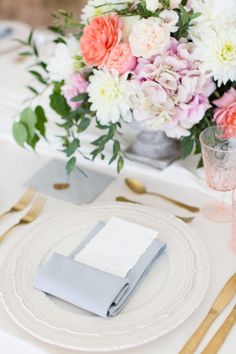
26, 54
20, 133
33, 90
70, 165
59, 40
41, 120
59, 104
67, 125
33, 142
95, 153
29, 40
197, 149
116, 150
100, 141
83, 125
43, 65
38, 76
72, 147
120, 164
187, 145
57, 29
80, 97
28, 118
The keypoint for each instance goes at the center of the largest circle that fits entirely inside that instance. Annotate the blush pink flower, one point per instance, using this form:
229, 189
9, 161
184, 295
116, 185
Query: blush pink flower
176, 71
225, 114
186, 115
121, 58
99, 38
76, 86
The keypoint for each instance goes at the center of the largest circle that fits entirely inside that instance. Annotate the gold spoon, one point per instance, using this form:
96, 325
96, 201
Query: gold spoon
138, 187
186, 219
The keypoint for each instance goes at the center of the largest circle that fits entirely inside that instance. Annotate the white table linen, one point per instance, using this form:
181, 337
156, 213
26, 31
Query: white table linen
17, 165
180, 180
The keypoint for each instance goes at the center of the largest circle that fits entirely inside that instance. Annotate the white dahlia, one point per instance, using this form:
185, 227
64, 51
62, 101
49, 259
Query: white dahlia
109, 95
217, 52
215, 14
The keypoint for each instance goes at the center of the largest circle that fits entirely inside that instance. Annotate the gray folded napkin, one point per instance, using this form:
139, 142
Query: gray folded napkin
96, 291
83, 189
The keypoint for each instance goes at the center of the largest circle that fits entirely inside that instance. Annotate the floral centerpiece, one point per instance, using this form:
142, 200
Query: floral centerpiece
168, 64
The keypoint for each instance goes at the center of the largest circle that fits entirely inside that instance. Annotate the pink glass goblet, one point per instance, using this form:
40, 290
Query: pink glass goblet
219, 158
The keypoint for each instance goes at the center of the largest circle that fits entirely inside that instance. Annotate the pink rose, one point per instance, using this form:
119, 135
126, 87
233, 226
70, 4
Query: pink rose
225, 114
99, 38
121, 58
76, 86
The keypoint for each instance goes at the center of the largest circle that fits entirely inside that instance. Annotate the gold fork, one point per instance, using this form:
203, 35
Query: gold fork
32, 214
23, 202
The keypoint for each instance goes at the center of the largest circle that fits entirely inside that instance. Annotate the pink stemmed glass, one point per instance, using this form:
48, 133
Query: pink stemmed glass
219, 158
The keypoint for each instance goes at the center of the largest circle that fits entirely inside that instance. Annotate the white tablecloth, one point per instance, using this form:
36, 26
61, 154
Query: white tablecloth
180, 180
18, 165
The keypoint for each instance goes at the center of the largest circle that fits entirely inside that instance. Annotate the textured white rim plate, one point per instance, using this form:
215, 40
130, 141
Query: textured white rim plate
155, 309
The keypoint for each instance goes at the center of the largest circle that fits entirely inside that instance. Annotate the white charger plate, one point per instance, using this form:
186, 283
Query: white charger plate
168, 296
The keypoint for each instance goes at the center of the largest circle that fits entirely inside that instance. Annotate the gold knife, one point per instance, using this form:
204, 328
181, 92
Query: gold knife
222, 300
216, 342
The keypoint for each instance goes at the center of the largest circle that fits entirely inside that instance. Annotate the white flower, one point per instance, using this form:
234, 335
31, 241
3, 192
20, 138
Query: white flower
99, 7
215, 14
217, 52
61, 65
214, 33
148, 37
109, 95
153, 5
170, 19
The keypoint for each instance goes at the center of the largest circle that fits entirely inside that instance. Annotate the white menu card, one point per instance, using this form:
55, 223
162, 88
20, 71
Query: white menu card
117, 247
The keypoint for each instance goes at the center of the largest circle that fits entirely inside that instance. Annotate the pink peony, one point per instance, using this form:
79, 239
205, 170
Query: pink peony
76, 86
225, 114
121, 58
99, 38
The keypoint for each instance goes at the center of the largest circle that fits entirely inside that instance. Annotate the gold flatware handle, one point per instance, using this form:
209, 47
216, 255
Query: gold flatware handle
218, 339
126, 200
222, 300
190, 208
8, 231
186, 219
5, 213
31, 215
23, 202
198, 335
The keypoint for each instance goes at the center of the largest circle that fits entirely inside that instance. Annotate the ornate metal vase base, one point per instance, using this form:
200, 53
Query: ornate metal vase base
154, 149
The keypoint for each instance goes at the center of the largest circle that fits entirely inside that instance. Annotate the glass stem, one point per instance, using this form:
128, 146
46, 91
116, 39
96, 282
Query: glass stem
222, 202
